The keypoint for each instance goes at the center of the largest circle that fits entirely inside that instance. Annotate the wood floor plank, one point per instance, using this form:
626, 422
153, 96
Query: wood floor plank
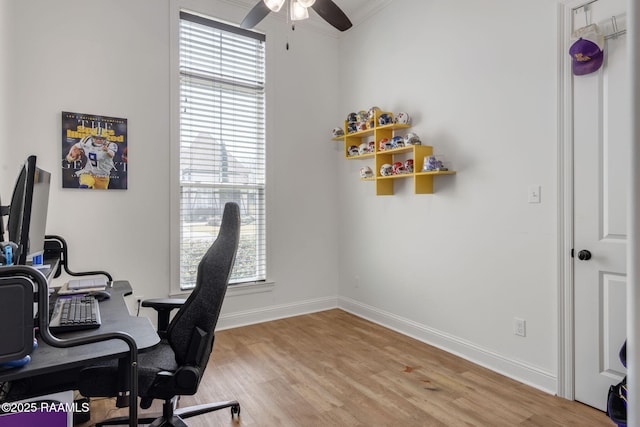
335, 369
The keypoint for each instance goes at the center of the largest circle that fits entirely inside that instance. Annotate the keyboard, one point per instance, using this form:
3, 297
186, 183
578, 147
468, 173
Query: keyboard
75, 313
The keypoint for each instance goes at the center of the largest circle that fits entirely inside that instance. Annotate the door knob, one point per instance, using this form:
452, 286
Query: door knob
584, 255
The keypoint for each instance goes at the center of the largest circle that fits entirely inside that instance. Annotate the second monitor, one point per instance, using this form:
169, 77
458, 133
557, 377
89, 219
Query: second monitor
28, 211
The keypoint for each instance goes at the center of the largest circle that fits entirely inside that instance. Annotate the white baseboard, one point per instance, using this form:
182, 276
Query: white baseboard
266, 314
517, 370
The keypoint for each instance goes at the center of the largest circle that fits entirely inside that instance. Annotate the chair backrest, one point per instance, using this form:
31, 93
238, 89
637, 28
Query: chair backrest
196, 320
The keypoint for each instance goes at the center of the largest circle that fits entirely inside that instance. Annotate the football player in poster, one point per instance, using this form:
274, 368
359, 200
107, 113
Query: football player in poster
99, 155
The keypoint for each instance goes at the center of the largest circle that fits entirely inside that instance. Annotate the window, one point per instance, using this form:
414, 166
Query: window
222, 142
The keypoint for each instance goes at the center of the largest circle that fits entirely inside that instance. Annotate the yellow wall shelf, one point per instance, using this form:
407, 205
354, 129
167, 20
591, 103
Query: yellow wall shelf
422, 181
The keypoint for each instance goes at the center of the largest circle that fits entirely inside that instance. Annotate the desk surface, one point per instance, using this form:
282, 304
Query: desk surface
115, 317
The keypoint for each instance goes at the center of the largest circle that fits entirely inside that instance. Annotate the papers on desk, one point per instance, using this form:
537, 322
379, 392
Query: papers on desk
81, 286
94, 282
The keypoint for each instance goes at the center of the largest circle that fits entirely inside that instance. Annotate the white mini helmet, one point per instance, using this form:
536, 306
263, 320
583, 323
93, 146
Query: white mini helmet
366, 172
402, 118
412, 139
363, 148
372, 112
431, 163
353, 150
386, 170
337, 132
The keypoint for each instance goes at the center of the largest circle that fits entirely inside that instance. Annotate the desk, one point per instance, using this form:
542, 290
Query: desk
119, 337
115, 317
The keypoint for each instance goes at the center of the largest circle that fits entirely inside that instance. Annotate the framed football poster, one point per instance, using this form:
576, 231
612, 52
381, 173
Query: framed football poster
94, 152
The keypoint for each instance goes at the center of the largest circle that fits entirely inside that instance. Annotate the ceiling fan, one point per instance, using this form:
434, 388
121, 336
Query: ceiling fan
298, 10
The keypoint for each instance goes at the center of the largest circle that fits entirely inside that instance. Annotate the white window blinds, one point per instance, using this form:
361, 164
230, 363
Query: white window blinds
222, 142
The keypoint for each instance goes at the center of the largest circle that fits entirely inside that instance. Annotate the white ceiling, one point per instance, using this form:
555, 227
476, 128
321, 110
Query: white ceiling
359, 10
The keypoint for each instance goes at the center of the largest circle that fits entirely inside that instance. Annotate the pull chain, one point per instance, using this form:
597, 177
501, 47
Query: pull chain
293, 24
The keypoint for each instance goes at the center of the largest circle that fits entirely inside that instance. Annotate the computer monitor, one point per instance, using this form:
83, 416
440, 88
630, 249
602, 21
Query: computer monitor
16, 206
4, 211
39, 209
28, 211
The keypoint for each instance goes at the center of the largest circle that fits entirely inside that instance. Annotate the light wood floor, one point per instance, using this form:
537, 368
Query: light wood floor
335, 369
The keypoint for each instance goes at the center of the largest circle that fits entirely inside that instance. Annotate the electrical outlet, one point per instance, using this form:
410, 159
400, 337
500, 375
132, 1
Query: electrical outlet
519, 327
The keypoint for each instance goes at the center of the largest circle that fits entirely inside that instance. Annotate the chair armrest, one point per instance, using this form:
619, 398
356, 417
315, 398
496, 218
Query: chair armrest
164, 303
163, 306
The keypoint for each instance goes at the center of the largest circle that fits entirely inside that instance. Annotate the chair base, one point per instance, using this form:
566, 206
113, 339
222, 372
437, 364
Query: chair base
172, 417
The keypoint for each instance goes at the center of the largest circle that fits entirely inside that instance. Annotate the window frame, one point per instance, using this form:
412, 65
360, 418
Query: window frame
176, 186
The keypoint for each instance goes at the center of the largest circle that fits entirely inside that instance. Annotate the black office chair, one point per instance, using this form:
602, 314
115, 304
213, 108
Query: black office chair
176, 366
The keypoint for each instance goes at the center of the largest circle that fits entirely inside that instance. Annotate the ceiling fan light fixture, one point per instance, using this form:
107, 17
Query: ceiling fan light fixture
306, 3
298, 12
274, 5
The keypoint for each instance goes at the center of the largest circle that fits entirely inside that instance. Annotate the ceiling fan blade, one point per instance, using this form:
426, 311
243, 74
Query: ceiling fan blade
330, 12
255, 15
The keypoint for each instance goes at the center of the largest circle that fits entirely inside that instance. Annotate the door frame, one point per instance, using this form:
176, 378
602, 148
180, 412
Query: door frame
565, 214
565, 370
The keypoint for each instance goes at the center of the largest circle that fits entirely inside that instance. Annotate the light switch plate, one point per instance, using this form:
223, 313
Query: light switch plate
533, 194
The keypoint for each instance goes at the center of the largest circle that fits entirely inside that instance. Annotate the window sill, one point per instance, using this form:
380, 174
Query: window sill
250, 288
239, 289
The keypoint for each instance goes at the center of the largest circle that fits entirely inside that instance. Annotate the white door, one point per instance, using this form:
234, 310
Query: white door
601, 126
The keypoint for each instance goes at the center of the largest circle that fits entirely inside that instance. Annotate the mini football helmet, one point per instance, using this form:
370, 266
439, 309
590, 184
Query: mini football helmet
336, 132
384, 119
372, 112
432, 164
408, 165
362, 116
402, 118
372, 146
385, 144
352, 117
353, 150
366, 172
412, 139
397, 142
363, 148
398, 169
352, 127
386, 170
362, 125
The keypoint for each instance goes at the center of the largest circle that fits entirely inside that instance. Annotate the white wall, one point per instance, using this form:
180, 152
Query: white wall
455, 268
4, 87
94, 57
112, 58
